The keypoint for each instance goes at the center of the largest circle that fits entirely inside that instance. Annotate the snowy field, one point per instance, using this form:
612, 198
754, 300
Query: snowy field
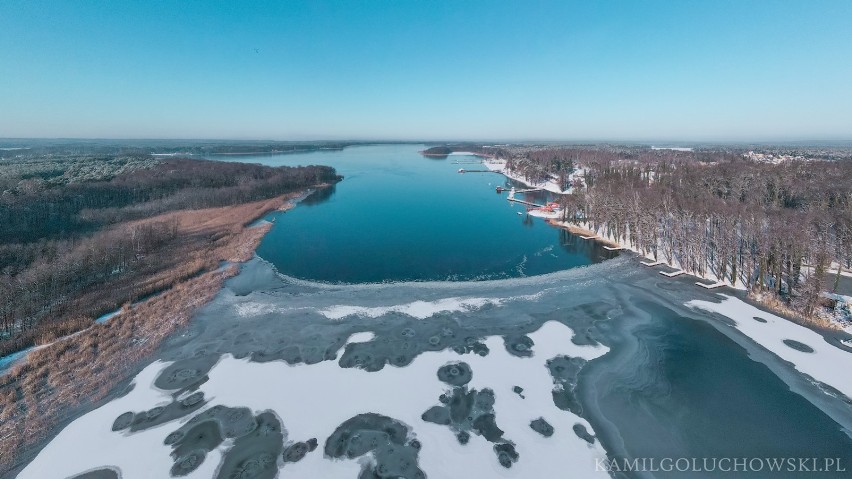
298, 394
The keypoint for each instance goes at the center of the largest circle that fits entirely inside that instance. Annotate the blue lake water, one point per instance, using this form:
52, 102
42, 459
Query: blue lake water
400, 216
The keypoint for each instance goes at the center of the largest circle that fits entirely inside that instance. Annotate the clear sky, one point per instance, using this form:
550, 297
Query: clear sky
362, 69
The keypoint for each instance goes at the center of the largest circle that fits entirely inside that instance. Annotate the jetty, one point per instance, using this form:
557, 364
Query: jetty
652, 264
614, 248
511, 197
523, 202
710, 286
673, 273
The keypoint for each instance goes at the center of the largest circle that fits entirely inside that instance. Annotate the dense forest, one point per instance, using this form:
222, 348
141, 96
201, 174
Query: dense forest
65, 147
775, 227
84, 235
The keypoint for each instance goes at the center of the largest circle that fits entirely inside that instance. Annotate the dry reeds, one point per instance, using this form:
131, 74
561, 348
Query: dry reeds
66, 375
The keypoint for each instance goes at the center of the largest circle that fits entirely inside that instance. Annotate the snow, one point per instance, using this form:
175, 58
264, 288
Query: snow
312, 400
421, 309
827, 364
628, 245
416, 309
545, 214
500, 166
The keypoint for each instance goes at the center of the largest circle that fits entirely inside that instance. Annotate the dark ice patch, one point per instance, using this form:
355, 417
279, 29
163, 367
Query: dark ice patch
188, 462
123, 421
207, 430
455, 374
506, 454
255, 455
582, 433
298, 450
466, 410
472, 345
520, 345
798, 346
564, 370
186, 373
104, 473
159, 414
486, 426
437, 415
394, 454
542, 427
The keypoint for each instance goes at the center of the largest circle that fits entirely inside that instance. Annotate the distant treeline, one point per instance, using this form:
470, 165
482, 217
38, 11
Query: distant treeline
445, 150
80, 237
64, 148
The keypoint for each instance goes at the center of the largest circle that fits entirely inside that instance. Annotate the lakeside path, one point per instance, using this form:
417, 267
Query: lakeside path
63, 380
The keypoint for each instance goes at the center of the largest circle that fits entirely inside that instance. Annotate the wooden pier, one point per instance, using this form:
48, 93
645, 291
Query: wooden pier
673, 273
710, 286
528, 203
652, 264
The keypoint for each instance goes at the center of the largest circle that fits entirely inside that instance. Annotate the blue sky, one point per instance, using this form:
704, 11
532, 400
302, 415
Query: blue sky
562, 70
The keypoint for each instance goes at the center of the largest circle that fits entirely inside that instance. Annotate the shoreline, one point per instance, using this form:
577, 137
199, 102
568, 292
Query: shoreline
499, 166
124, 343
820, 325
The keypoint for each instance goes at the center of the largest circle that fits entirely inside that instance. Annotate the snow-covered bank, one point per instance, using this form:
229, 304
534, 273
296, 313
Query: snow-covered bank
500, 167
601, 234
808, 351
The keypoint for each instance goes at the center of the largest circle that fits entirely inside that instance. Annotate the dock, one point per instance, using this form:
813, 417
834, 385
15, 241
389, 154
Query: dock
651, 265
528, 203
589, 237
614, 248
673, 273
710, 286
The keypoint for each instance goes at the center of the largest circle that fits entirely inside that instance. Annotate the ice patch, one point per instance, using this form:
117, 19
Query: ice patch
827, 364
422, 309
416, 309
312, 400
363, 337
246, 310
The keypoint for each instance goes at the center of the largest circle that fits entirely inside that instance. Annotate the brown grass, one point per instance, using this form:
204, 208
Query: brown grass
61, 378
774, 304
